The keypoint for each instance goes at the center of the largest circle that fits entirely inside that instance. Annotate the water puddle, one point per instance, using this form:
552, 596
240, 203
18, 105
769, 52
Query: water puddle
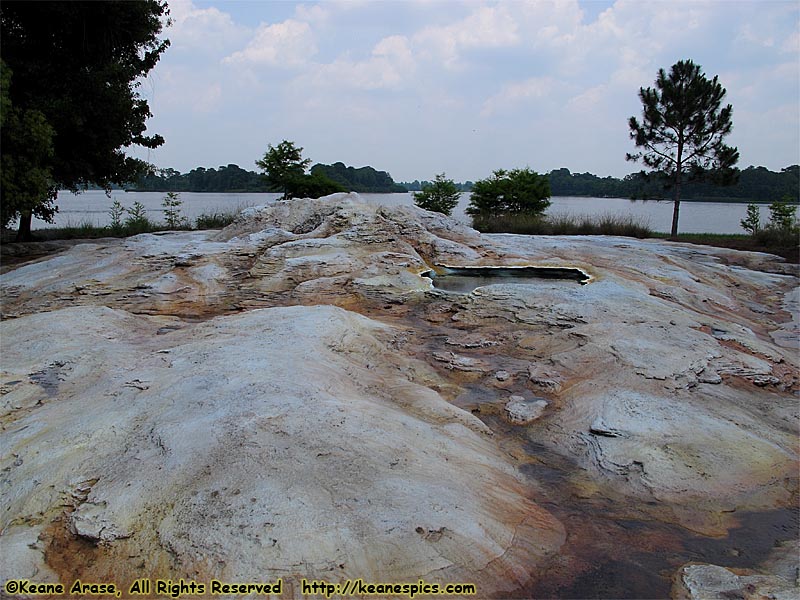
464, 280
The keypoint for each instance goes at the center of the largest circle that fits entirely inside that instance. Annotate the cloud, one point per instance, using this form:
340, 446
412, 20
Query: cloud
389, 66
487, 27
514, 94
287, 44
181, 91
201, 29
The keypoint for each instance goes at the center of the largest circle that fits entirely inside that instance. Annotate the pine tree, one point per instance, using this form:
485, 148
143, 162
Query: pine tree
682, 129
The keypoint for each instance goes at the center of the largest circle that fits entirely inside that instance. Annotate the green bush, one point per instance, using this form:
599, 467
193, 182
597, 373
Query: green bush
519, 191
752, 222
314, 185
172, 211
782, 216
440, 196
137, 220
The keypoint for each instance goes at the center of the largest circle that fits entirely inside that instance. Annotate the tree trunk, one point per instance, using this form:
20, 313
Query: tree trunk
24, 231
676, 195
676, 209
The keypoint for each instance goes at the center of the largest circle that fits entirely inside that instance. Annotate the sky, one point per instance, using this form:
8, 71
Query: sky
420, 87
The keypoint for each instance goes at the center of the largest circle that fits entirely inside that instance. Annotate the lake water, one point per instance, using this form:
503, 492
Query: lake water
696, 217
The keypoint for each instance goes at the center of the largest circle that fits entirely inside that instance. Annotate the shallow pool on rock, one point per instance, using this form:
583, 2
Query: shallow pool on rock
465, 279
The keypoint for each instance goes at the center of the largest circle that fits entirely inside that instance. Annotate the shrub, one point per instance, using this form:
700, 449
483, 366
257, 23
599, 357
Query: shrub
441, 196
752, 222
519, 191
172, 211
115, 212
137, 220
782, 216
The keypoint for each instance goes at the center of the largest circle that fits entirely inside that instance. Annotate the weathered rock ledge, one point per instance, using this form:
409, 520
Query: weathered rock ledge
290, 398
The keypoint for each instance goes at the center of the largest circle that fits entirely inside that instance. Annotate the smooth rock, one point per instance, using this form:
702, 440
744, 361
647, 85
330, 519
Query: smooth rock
275, 398
522, 411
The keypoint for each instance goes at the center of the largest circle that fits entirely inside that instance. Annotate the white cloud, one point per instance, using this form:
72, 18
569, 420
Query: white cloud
201, 29
389, 66
588, 99
487, 27
514, 94
287, 44
182, 91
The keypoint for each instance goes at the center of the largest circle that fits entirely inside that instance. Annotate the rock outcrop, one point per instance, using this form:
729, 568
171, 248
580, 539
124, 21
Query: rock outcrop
290, 397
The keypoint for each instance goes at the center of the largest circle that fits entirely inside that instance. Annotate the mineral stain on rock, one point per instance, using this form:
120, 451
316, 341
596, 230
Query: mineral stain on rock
288, 398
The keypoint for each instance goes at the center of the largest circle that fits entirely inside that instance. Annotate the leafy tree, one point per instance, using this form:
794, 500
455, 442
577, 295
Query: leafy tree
79, 65
26, 180
441, 196
515, 192
682, 130
283, 164
285, 171
752, 222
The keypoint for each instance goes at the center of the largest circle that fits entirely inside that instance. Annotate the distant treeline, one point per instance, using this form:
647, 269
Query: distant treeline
233, 178
364, 179
417, 185
756, 184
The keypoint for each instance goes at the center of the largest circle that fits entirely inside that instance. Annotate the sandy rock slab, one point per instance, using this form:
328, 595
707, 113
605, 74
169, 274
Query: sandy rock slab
283, 442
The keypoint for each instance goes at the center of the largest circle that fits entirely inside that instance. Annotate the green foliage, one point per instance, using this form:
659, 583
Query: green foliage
683, 125
230, 178
283, 166
752, 222
285, 171
27, 188
79, 64
172, 211
115, 214
137, 220
418, 186
363, 179
314, 185
441, 196
519, 191
531, 224
782, 216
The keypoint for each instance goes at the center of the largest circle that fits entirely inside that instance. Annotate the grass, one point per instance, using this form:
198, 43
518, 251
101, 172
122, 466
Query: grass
215, 220
784, 243
127, 228
565, 224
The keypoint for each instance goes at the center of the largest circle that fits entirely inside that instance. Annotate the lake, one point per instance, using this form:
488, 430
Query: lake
696, 217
